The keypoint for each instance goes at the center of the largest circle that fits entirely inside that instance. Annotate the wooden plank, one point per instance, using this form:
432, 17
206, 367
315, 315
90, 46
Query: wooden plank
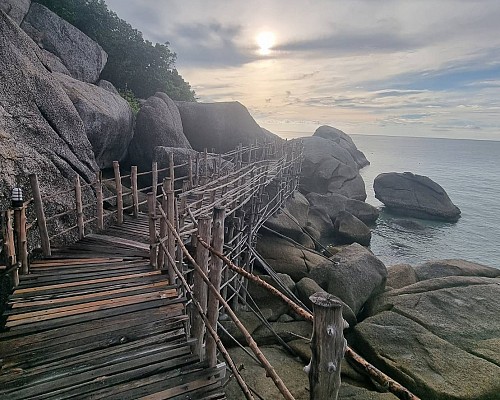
119, 241
88, 282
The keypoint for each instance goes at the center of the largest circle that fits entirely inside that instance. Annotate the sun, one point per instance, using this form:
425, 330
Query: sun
265, 41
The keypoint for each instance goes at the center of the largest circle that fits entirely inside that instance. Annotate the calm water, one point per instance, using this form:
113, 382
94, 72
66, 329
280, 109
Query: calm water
469, 172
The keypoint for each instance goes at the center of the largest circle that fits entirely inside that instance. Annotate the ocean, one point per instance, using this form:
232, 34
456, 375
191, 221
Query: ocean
469, 172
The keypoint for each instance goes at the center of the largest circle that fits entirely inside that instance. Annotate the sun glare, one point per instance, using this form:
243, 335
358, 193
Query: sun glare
265, 41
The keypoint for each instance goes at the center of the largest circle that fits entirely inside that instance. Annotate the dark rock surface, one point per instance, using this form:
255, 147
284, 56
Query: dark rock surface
107, 117
319, 224
83, 57
415, 196
15, 9
345, 141
221, 126
40, 130
454, 267
349, 229
329, 168
354, 275
158, 123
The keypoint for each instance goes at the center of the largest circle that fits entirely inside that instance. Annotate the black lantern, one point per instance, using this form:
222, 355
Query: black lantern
17, 197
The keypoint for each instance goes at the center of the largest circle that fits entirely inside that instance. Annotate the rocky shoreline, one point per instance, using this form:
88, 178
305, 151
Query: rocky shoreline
434, 327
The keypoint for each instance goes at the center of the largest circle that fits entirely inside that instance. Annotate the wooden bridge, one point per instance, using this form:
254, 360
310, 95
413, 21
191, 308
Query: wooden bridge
130, 311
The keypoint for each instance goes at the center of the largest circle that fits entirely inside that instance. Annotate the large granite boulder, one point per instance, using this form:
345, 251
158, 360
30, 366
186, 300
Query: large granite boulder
354, 275
287, 225
286, 257
16, 9
345, 141
439, 337
400, 275
40, 130
319, 224
219, 126
83, 57
453, 267
335, 203
414, 195
158, 124
108, 119
329, 168
349, 229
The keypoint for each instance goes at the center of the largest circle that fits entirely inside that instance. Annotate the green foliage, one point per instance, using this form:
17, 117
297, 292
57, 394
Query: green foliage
134, 64
131, 99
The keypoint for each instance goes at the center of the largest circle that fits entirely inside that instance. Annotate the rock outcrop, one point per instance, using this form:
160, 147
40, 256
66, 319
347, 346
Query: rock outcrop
83, 57
438, 337
349, 229
158, 123
15, 9
40, 130
219, 126
354, 275
453, 267
414, 195
345, 141
329, 168
107, 117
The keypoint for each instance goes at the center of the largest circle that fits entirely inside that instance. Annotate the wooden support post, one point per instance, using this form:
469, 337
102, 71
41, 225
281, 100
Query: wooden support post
219, 166
205, 162
40, 215
327, 345
154, 178
99, 201
119, 193
171, 171
8, 238
170, 204
152, 228
200, 288
163, 224
20, 232
215, 278
190, 171
135, 191
197, 170
79, 208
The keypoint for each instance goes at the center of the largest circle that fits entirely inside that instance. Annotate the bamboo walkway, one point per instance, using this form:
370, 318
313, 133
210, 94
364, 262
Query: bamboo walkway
96, 321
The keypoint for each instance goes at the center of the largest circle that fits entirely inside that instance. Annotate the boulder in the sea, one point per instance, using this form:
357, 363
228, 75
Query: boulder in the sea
219, 126
158, 123
15, 9
335, 203
415, 196
354, 275
83, 57
349, 229
107, 117
344, 140
329, 168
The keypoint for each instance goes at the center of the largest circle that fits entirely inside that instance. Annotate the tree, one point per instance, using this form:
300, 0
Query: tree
134, 64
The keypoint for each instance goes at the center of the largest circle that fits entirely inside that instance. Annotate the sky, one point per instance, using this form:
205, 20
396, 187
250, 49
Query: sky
385, 67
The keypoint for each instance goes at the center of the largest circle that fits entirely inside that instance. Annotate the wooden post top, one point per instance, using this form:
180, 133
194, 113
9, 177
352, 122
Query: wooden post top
326, 300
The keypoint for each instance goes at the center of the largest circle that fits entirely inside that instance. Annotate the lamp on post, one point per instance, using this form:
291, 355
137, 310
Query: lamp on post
17, 197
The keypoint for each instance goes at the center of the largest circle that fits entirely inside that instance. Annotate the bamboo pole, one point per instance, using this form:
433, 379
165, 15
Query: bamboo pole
154, 177
170, 204
248, 337
197, 170
374, 373
99, 201
215, 278
205, 162
171, 172
327, 347
40, 215
190, 171
8, 238
20, 233
79, 208
135, 191
152, 228
163, 224
200, 288
119, 192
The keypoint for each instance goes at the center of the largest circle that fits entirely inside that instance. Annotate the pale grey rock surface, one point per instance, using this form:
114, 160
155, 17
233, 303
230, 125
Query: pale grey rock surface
349, 229
107, 117
415, 196
15, 9
400, 275
84, 58
453, 267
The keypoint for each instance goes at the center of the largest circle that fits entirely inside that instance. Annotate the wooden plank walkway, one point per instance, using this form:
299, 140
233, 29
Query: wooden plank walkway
95, 321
